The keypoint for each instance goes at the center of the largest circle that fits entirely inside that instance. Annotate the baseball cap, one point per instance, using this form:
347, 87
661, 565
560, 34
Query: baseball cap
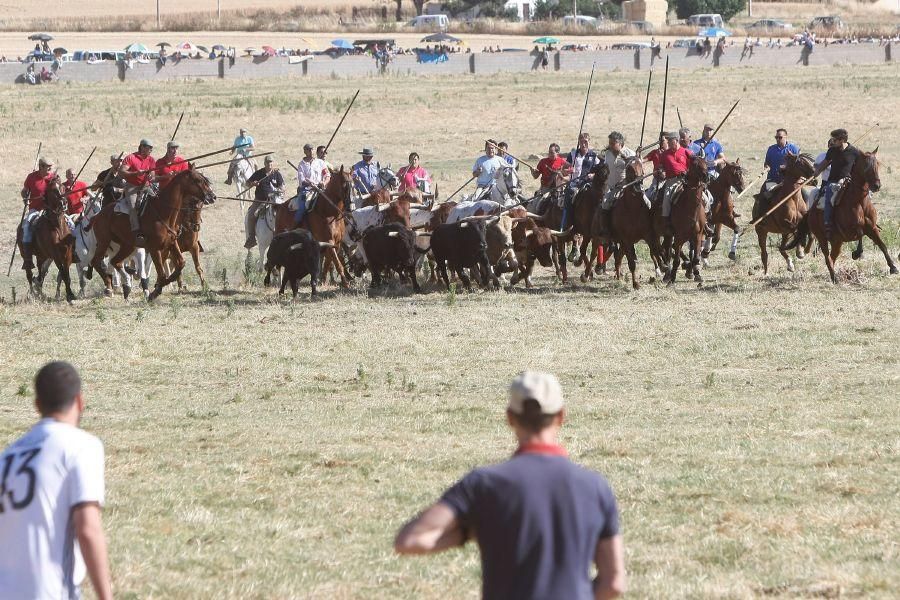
708, 126
307, 146
173, 144
543, 388
45, 162
270, 159
670, 135
146, 142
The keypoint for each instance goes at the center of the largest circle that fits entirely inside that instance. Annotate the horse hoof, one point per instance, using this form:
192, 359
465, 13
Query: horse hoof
705, 254
732, 255
126, 291
636, 285
108, 293
584, 279
705, 263
893, 271
857, 255
697, 278
800, 253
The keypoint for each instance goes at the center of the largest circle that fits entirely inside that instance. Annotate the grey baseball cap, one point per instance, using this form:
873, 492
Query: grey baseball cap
307, 146
146, 142
173, 144
270, 159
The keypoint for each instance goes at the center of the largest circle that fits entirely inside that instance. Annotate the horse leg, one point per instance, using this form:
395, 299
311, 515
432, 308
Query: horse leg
618, 261
835, 253
707, 245
63, 266
632, 264
673, 266
588, 274
763, 237
873, 234
336, 261
561, 270
735, 236
783, 252
696, 262
858, 251
717, 235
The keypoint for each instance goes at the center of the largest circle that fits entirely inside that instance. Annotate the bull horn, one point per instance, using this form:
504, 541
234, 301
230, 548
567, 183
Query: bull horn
875, 151
529, 232
364, 197
492, 220
321, 245
393, 233
534, 216
555, 233
383, 207
418, 206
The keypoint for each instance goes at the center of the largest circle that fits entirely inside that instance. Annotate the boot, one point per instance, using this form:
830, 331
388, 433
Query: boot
139, 240
228, 179
27, 263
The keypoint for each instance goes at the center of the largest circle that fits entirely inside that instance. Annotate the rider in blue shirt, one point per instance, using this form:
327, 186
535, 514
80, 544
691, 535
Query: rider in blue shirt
712, 150
776, 153
365, 173
686, 140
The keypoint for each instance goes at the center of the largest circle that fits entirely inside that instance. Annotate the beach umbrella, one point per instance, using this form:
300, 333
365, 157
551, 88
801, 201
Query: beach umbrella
164, 44
269, 50
343, 44
546, 40
40, 37
251, 50
187, 48
218, 48
59, 50
203, 49
441, 37
137, 48
714, 32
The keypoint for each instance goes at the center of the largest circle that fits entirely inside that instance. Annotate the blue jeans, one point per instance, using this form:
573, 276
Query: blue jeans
830, 188
302, 194
568, 206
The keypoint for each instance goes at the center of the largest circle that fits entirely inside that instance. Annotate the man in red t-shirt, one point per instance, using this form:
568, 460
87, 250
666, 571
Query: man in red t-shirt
170, 165
138, 170
33, 196
673, 164
75, 192
549, 167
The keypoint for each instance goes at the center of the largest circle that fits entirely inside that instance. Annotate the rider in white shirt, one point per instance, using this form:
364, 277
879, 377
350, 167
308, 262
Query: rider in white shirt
51, 491
485, 168
312, 174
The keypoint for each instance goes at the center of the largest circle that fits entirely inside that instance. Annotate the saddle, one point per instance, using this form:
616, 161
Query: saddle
675, 191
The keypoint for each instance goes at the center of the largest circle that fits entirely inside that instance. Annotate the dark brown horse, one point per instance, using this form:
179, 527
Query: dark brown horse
853, 217
189, 240
585, 207
722, 213
786, 218
631, 221
326, 220
52, 240
688, 218
159, 223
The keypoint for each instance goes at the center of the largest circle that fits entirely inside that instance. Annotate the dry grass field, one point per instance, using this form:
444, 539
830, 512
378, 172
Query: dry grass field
261, 448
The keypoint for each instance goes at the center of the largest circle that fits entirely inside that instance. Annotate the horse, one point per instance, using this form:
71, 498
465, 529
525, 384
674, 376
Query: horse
632, 221
787, 217
688, 218
326, 219
585, 208
853, 217
387, 183
722, 212
243, 170
506, 188
159, 218
52, 240
189, 239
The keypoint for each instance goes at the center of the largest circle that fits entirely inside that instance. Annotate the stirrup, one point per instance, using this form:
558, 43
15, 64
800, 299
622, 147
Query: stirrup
139, 240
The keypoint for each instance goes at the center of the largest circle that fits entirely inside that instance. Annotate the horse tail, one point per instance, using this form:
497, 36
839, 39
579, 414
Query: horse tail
801, 234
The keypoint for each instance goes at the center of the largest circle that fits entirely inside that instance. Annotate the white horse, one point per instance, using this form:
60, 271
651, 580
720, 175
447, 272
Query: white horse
504, 189
86, 246
243, 169
265, 227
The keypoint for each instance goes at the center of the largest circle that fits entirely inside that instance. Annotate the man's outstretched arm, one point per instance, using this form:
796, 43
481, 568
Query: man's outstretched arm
436, 529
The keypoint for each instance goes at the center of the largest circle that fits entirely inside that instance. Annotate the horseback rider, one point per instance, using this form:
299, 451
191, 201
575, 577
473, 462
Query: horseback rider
616, 158
241, 149
311, 175
581, 161
503, 150
484, 169
713, 151
549, 169
686, 140
138, 170
33, 192
170, 164
321, 154
414, 176
774, 162
673, 164
74, 191
267, 181
109, 181
841, 157
654, 157
365, 173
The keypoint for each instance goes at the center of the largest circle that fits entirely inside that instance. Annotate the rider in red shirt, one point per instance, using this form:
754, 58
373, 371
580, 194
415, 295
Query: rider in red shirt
170, 165
33, 196
75, 192
138, 169
549, 167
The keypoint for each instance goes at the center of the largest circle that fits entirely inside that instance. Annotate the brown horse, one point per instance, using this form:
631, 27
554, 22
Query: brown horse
159, 221
688, 218
189, 241
786, 218
326, 220
52, 240
722, 213
585, 207
854, 216
631, 221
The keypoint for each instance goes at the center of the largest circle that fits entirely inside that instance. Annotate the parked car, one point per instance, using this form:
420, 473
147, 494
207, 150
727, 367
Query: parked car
642, 26
630, 46
580, 21
706, 20
769, 26
96, 56
828, 23
431, 22
687, 43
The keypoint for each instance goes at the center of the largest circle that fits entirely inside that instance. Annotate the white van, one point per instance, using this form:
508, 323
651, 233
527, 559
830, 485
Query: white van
706, 20
580, 21
431, 22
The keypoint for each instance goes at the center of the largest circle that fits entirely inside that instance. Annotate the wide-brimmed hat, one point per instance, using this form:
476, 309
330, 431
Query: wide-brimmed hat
367, 152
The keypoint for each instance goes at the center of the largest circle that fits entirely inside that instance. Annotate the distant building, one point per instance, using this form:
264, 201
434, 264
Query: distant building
653, 11
524, 8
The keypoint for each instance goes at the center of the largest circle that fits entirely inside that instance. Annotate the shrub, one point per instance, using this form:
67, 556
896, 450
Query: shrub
726, 8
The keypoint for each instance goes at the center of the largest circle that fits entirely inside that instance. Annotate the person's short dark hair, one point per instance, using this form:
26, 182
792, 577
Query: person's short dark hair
532, 419
491, 142
554, 145
840, 135
55, 387
617, 137
781, 130
503, 145
413, 154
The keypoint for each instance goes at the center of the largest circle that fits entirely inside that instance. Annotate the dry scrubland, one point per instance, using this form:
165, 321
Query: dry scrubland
259, 448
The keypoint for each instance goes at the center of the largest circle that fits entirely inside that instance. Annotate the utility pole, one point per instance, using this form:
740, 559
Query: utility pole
218, 10
157, 15
575, 9
749, 8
